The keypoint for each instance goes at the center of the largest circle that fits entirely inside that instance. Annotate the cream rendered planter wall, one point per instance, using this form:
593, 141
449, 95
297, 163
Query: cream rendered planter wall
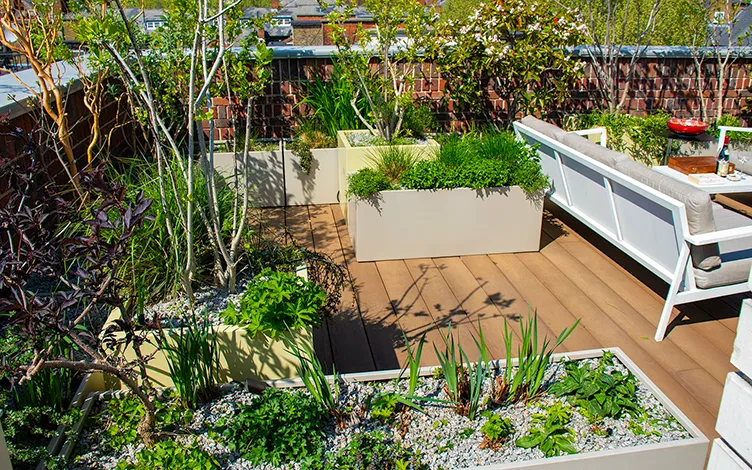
352, 159
445, 222
241, 356
269, 182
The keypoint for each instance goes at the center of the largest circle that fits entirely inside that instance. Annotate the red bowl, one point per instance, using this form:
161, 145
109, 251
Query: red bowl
687, 126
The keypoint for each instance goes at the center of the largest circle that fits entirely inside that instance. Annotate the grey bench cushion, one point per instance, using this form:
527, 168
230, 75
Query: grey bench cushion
736, 255
697, 203
545, 128
595, 151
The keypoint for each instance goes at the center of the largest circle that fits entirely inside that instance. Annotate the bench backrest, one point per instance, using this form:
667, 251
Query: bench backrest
644, 223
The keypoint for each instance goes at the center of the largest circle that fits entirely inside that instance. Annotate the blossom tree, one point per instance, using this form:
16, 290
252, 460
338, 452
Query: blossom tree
518, 48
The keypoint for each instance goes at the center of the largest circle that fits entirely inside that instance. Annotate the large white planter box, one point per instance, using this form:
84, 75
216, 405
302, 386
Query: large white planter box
741, 356
722, 457
352, 159
735, 415
685, 454
277, 173
445, 222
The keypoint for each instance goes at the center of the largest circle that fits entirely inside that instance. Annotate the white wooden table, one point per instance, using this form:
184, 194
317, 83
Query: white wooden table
742, 186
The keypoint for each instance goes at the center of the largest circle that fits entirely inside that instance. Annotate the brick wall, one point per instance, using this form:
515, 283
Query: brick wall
116, 134
666, 83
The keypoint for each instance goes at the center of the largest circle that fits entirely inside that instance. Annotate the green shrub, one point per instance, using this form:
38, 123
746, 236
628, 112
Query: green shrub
277, 427
598, 393
734, 136
367, 182
476, 161
168, 455
126, 412
419, 120
638, 136
496, 430
275, 302
550, 432
29, 430
374, 450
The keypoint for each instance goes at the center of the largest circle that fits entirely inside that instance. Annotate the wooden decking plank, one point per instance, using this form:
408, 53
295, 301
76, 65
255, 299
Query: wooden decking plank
413, 315
299, 229
441, 302
657, 288
379, 319
702, 386
626, 292
609, 334
553, 311
475, 302
273, 223
503, 294
670, 356
351, 350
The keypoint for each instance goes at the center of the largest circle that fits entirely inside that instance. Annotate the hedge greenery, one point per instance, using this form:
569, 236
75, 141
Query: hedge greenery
475, 160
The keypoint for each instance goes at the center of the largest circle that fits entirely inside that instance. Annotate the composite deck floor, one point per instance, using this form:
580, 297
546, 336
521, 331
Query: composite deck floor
576, 275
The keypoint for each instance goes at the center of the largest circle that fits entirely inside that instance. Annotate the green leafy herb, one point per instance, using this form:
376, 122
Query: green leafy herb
171, 454
550, 432
280, 426
496, 430
275, 302
599, 393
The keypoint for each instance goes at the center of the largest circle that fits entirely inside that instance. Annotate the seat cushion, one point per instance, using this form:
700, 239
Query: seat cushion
736, 255
595, 151
697, 203
545, 128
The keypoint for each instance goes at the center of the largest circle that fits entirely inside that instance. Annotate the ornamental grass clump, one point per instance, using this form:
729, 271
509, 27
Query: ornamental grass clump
524, 382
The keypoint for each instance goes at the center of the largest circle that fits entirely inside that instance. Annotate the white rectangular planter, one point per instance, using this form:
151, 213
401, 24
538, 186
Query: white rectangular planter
686, 454
278, 172
445, 222
722, 457
735, 415
352, 159
741, 356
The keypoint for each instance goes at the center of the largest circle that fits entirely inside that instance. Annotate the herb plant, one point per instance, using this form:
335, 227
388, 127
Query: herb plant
275, 302
171, 454
475, 161
367, 182
600, 394
277, 427
496, 430
550, 432
375, 450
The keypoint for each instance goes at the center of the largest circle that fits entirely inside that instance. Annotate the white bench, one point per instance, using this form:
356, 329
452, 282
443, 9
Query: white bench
703, 256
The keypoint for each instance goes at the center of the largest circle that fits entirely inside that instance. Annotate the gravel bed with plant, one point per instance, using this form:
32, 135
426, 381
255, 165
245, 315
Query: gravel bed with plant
366, 139
463, 416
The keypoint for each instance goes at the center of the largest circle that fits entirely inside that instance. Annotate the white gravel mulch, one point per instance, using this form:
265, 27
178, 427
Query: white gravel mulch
444, 439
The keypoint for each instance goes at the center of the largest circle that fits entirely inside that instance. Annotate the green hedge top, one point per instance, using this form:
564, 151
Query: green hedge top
475, 161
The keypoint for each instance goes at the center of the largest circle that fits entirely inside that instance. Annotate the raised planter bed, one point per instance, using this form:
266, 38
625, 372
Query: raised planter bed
241, 356
352, 159
446, 222
276, 173
447, 440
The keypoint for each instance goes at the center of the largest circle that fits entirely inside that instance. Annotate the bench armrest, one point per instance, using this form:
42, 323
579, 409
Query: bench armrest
594, 131
720, 236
